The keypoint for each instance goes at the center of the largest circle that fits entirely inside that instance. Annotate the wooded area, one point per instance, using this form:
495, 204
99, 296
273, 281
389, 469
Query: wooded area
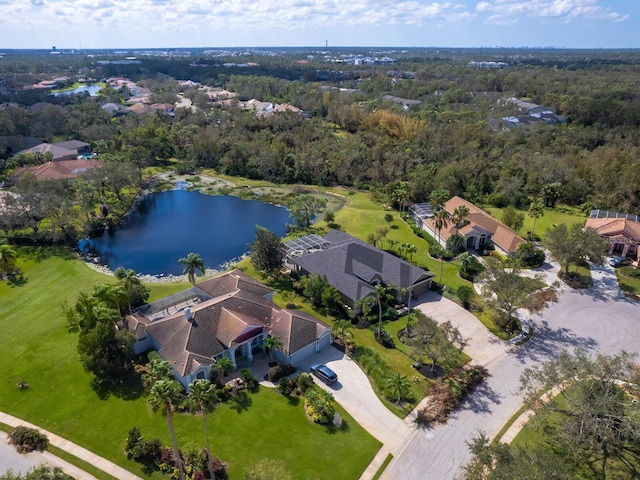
453, 140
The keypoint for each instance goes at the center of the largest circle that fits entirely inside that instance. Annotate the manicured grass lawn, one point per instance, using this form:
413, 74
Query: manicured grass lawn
551, 217
629, 280
38, 349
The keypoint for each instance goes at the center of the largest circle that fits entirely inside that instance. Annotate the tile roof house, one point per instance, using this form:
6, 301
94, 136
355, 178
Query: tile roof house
622, 231
354, 267
226, 316
58, 152
479, 228
59, 169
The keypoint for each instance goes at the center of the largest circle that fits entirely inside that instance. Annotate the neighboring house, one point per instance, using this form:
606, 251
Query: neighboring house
354, 267
226, 316
59, 169
81, 148
479, 228
68, 150
621, 230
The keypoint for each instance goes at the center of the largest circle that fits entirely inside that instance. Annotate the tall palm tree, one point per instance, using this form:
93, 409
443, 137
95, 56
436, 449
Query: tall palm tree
410, 249
190, 264
441, 220
8, 258
536, 210
380, 291
202, 400
273, 344
128, 280
165, 395
398, 386
458, 217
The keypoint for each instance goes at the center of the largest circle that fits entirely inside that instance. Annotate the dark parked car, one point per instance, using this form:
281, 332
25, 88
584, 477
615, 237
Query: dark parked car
619, 262
324, 373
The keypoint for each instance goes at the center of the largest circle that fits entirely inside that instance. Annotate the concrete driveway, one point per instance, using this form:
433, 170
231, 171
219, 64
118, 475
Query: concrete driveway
354, 392
598, 319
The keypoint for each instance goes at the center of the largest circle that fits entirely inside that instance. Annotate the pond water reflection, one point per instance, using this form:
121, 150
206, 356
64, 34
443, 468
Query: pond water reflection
168, 225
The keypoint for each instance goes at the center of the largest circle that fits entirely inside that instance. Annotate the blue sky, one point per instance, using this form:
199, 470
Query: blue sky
71, 24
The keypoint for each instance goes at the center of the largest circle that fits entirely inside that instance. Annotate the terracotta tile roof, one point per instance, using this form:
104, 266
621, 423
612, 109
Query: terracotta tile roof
611, 227
236, 312
231, 281
481, 222
60, 169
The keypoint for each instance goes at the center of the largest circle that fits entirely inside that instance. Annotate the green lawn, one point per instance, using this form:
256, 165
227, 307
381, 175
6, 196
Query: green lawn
39, 350
551, 217
629, 280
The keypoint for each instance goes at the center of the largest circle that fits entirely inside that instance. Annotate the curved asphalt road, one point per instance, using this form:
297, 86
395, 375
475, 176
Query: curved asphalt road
599, 319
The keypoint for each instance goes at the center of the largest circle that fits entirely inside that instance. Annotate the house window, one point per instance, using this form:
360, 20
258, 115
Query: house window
255, 341
200, 375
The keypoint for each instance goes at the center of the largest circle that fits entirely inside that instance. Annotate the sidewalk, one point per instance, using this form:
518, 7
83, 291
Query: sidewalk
103, 464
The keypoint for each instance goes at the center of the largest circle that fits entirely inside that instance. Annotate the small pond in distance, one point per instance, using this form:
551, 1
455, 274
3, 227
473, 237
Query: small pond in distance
168, 225
91, 89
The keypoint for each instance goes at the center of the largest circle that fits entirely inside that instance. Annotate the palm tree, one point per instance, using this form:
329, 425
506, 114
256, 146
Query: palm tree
458, 217
190, 264
536, 210
165, 395
410, 249
128, 279
273, 344
398, 386
380, 291
441, 220
202, 400
341, 331
158, 369
466, 260
8, 258
220, 368
392, 243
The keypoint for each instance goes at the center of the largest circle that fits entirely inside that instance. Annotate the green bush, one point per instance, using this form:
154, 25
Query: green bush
284, 386
276, 373
28, 439
465, 294
153, 355
304, 382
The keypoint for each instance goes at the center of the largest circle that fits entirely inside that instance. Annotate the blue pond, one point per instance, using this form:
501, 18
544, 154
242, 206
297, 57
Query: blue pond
168, 225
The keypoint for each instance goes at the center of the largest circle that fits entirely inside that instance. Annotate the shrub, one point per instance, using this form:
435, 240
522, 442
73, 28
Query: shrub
304, 382
153, 355
319, 405
28, 439
276, 373
285, 387
251, 381
386, 340
465, 293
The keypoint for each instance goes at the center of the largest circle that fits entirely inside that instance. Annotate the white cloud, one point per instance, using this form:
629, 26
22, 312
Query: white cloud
563, 10
286, 14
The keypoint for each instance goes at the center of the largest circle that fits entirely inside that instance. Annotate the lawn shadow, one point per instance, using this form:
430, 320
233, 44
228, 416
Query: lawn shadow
127, 387
333, 429
17, 281
240, 402
293, 400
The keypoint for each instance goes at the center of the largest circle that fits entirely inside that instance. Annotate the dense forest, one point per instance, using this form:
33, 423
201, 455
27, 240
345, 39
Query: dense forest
453, 139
